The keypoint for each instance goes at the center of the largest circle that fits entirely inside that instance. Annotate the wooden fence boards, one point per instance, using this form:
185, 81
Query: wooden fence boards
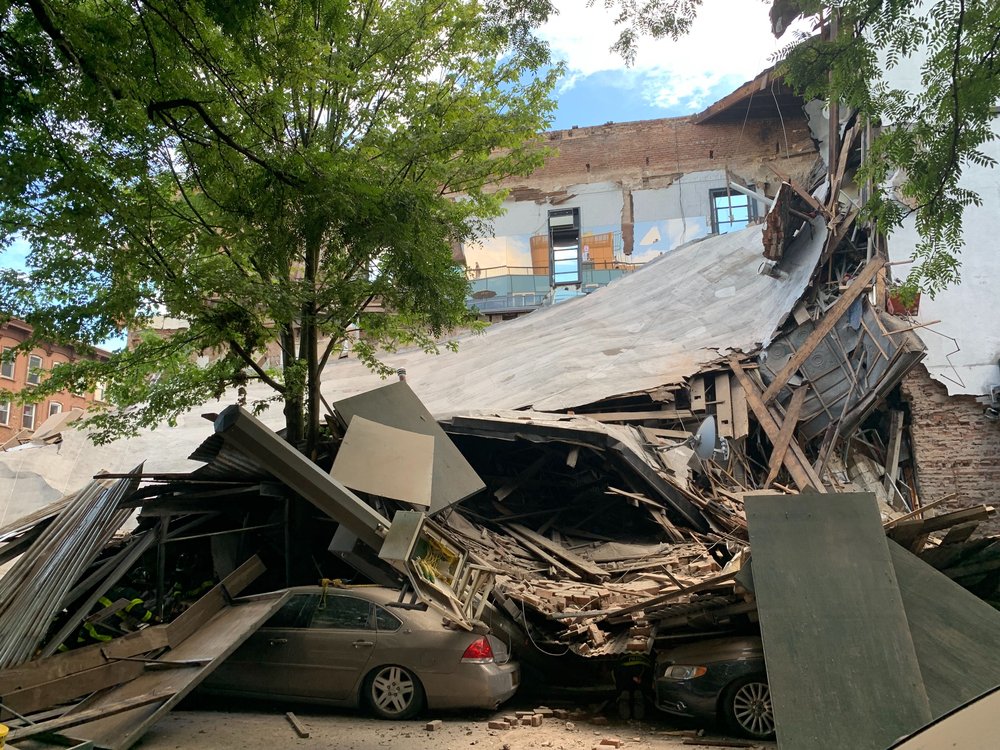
841, 663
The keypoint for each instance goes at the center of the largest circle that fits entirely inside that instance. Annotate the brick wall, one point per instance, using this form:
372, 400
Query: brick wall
956, 448
634, 152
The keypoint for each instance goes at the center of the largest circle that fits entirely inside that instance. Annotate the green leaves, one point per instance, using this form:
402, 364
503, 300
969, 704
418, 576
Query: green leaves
264, 172
931, 131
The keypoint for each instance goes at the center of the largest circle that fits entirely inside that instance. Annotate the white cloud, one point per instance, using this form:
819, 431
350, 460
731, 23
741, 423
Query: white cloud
730, 39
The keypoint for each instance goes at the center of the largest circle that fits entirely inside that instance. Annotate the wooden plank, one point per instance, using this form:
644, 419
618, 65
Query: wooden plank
785, 434
63, 689
211, 643
191, 619
830, 608
858, 286
638, 416
724, 405
572, 559
741, 418
300, 730
697, 391
67, 664
892, 456
68, 720
804, 194
795, 461
550, 559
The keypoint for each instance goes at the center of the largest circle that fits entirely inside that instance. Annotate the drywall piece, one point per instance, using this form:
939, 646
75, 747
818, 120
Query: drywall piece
210, 644
386, 461
395, 405
955, 633
841, 663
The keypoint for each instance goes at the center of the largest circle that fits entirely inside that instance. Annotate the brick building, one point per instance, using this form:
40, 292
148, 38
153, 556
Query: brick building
24, 371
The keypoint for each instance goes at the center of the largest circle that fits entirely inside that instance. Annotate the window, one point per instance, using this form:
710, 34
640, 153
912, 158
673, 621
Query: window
7, 364
4, 413
564, 241
731, 210
343, 613
34, 368
99, 392
386, 621
28, 417
294, 613
54, 407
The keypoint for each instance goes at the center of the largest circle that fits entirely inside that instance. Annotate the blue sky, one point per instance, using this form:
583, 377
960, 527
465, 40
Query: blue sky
730, 43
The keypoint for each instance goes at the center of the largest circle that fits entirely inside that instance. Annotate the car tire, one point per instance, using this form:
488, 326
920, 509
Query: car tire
393, 692
747, 709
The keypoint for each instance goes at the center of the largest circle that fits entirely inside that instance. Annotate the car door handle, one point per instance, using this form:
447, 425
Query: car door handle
277, 641
363, 644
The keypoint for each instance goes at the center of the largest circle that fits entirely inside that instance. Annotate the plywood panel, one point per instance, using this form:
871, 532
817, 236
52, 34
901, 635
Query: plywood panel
397, 406
213, 642
955, 633
841, 663
386, 461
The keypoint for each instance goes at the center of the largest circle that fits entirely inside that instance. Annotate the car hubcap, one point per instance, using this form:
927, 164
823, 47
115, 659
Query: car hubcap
392, 689
752, 708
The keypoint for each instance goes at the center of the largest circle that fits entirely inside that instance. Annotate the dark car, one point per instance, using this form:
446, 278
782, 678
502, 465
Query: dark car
721, 679
351, 647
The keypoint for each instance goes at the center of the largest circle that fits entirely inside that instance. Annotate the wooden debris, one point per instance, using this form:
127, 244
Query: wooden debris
297, 725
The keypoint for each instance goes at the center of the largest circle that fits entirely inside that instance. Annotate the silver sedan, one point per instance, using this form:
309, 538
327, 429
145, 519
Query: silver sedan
359, 647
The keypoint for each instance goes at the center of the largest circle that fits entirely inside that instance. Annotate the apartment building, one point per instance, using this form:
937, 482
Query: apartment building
18, 372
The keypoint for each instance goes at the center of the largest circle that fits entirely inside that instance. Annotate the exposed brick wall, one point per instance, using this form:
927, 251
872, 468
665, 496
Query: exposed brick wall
956, 448
646, 151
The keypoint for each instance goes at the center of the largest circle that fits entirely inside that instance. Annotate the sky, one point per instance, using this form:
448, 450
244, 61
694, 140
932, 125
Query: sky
729, 43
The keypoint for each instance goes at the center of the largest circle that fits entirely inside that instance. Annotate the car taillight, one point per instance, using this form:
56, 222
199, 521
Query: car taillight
479, 651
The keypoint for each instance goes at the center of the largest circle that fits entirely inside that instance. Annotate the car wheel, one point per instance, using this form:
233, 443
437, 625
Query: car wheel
393, 692
746, 707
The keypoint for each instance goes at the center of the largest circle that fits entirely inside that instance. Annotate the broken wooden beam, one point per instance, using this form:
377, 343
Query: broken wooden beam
858, 286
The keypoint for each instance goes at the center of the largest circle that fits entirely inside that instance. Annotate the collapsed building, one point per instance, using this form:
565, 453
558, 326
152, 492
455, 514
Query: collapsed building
577, 478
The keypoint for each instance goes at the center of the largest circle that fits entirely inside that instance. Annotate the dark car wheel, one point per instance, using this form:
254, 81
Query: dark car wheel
393, 692
746, 707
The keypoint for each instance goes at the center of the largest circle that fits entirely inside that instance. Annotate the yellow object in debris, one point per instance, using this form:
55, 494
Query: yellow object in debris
4, 729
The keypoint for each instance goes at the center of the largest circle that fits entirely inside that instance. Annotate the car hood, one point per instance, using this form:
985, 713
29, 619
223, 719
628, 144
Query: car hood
714, 650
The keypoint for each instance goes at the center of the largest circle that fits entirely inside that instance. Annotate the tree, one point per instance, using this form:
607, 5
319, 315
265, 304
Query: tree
931, 134
265, 171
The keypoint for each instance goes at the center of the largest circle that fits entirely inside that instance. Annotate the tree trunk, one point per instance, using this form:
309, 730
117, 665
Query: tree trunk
293, 394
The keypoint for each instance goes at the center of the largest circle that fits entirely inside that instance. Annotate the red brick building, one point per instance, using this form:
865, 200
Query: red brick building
26, 370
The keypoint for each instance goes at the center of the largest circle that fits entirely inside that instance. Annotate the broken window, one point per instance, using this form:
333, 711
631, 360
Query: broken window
730, 210
54, 407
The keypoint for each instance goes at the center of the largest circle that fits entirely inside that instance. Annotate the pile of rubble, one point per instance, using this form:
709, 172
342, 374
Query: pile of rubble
600, 526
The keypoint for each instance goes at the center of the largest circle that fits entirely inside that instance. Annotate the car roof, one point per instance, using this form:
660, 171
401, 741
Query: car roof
381, 595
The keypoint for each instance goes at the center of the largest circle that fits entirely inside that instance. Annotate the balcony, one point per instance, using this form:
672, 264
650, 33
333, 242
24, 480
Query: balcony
520, 289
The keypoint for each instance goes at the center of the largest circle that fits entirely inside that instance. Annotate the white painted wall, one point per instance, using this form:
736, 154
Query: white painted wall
964, 348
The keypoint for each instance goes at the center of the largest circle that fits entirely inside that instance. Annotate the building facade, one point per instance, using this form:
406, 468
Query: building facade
19, 421
613, 197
